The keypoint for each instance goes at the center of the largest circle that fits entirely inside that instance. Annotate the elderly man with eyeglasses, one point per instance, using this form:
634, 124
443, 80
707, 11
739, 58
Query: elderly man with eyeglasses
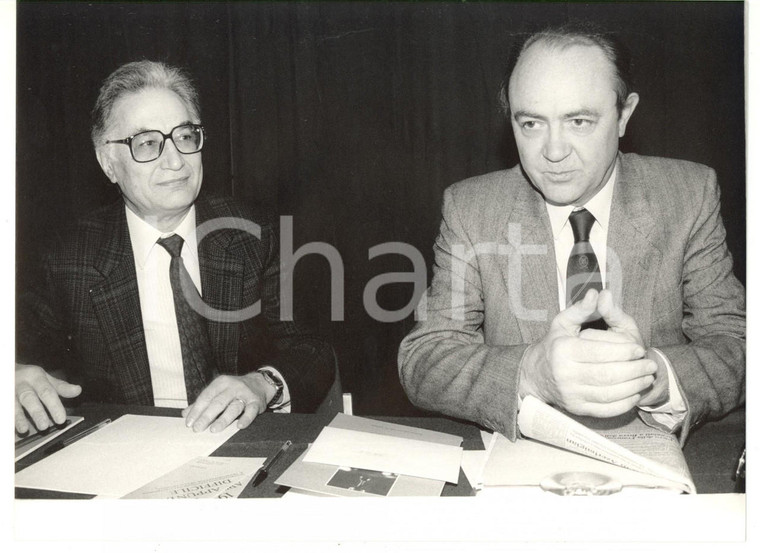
169, 297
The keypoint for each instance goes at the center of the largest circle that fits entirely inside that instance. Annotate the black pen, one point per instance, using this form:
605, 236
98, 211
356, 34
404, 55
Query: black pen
67, 442
263, 472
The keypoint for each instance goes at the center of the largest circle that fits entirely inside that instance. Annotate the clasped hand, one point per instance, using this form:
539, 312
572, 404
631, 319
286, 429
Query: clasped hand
593, 372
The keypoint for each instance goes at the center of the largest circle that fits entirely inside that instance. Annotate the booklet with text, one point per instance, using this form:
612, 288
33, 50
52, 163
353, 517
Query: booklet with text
632, 454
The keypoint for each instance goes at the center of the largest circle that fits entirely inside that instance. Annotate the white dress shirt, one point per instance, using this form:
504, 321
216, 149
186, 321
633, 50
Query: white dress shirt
671, 413
157, 303
157, 306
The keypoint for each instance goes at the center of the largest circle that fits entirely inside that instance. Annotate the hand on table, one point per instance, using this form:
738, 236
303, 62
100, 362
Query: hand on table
228, 398
594, 373
38, 397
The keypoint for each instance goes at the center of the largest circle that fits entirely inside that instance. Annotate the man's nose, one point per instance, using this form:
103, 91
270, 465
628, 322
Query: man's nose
171, 158
556, 148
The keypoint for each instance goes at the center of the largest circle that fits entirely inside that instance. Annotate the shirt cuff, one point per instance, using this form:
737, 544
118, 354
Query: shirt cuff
671, 414
284, 405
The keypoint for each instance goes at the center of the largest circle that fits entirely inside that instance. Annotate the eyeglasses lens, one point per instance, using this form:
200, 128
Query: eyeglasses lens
148, 145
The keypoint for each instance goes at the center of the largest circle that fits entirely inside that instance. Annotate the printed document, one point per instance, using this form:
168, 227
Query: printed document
121, 457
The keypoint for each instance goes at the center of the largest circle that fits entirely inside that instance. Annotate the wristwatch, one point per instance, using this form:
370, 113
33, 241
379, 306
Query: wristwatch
275, 381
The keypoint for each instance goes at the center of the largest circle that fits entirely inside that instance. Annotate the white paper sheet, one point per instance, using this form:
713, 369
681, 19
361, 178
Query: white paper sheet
125, 455
352, 448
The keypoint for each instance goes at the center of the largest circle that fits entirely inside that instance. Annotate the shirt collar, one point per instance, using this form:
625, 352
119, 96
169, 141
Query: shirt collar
599, 206
144, 236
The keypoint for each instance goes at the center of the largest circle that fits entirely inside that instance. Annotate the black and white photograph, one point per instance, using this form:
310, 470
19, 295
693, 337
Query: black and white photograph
496, 248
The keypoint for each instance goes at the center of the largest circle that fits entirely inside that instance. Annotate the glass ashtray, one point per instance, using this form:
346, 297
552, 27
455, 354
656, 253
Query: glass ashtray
580, 483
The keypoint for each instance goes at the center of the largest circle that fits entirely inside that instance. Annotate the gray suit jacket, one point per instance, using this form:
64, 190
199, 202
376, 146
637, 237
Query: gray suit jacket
486, 304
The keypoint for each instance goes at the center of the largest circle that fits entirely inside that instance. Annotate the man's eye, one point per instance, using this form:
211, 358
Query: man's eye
581, 123
146, 143
529, 125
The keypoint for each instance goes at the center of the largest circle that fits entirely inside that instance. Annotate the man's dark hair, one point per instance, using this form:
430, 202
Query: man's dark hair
570, 34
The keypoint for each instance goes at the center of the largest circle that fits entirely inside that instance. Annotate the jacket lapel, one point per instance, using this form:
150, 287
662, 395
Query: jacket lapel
633, 259
116, 302
222, 282
535, 302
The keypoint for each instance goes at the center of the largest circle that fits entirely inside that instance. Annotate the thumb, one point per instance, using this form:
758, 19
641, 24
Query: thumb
571, 319
63, 388
617, 319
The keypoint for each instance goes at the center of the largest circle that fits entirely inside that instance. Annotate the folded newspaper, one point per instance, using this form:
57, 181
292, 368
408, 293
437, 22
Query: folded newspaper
625, 450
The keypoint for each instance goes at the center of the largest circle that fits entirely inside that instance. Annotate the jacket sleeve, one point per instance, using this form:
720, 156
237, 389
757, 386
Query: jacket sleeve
444, 363
41, 338
305, 360
711, 366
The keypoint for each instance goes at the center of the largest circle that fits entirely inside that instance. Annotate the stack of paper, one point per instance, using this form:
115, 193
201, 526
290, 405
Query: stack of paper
354, 456
121, 457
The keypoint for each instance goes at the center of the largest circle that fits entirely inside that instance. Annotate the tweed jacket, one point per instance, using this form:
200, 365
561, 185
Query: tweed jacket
487, 303
84, 318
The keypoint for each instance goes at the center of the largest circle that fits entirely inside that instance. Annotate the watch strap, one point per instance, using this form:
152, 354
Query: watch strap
275, 381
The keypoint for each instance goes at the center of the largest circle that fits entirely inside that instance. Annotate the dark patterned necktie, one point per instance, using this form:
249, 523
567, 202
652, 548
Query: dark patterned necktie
193, 337
582, 266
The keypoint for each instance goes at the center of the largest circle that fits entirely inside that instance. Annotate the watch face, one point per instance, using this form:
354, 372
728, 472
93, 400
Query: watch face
274, 381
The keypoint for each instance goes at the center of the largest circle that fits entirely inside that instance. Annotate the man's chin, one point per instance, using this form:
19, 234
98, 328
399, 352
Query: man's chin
560, 195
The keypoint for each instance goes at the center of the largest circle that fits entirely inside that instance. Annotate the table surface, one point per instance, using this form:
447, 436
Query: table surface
711, 451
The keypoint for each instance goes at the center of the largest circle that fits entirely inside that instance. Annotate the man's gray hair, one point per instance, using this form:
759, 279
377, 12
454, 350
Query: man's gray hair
134, 77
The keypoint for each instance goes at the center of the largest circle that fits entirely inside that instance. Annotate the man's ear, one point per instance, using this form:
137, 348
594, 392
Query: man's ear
625, 114
106, 163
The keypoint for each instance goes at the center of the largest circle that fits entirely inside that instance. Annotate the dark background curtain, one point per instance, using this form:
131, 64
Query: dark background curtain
353, 118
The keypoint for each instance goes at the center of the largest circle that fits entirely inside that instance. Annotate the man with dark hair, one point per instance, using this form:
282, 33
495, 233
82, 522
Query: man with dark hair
597, 281
169, 297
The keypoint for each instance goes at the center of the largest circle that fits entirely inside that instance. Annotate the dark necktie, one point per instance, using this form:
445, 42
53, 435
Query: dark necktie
193, 337
582, 266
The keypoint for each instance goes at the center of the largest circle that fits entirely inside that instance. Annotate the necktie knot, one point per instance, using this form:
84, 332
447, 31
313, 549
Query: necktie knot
581, 221
172, 244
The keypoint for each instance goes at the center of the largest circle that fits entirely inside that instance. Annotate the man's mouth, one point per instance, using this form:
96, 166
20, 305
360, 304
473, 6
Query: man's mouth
559, 176
181, 181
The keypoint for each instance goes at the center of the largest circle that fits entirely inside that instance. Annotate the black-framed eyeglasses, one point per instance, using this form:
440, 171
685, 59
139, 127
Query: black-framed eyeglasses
147, 146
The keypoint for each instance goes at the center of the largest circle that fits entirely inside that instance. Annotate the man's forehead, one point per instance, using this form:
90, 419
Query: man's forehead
148, 109
545, 68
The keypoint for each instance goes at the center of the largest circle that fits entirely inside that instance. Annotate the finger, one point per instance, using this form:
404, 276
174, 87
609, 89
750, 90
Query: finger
214, 408
252, 410
613, 314
33, 406
589, 351
202, 402
610, 374
570, 319
595, 335
233, 410
64, 389
606, 410
52, 402
227, 392
617, 392
22, 424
